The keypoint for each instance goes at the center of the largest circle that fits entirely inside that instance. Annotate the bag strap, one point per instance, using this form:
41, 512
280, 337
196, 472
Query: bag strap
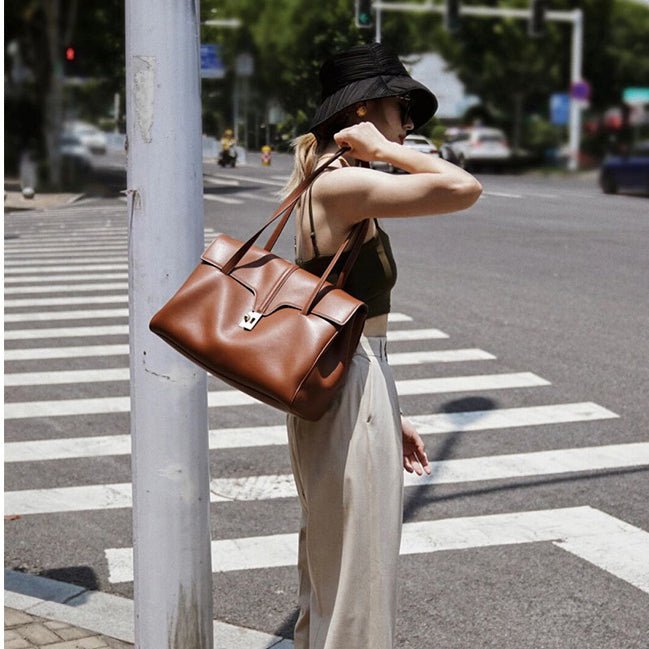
286, 208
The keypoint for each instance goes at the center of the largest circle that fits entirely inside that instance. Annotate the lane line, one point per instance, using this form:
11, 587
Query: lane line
62, 301
234, 438
226, 398
82, 314
576, 529
19, 267
58, 377
222, 199
66, 288
502, 195
64, 278
51, 316
65, 252
70, 269
121, 349
256, 197
251, 180
268, 487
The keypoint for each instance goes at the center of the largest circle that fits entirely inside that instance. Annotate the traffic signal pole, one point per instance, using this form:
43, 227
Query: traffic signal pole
171, 505
576, 17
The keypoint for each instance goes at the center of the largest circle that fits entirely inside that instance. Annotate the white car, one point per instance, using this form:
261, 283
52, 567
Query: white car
90, 136
417, 142
476, 147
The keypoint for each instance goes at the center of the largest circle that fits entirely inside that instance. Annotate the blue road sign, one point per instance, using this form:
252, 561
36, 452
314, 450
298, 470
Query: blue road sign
212, 66
560, 108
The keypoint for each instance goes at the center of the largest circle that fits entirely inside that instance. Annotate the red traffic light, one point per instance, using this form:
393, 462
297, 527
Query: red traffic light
70, 54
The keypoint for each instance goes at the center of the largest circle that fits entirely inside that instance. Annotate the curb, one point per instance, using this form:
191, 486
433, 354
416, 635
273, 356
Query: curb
108, 615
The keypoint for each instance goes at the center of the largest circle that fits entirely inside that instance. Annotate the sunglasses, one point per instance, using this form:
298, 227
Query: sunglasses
405, 108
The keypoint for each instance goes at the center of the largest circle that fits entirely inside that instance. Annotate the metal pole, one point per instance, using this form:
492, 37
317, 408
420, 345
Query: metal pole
171, 548
378, 23
235, 108
575, 76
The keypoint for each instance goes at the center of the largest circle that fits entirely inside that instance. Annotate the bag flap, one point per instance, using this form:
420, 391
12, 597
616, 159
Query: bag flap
278, 283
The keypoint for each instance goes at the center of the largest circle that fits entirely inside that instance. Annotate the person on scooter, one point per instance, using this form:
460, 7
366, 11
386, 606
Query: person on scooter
228, 151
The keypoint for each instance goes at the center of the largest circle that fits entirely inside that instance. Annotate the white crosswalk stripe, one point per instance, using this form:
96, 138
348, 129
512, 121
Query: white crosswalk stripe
66, 277
265, 487
597, 537
226, 398
437, 424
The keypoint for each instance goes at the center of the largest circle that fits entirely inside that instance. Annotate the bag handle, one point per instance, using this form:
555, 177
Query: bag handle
286, 208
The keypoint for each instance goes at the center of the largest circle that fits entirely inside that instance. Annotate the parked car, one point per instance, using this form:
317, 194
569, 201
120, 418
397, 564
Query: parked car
89, 135
416, 142
76, 159
472, 148
626, 172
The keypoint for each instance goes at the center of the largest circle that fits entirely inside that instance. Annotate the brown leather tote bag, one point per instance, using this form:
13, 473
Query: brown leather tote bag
265, 326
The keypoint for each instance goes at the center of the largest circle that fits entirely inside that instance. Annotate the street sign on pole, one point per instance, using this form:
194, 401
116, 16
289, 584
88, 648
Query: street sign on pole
559, 108
633, 96
212, 66
580, 90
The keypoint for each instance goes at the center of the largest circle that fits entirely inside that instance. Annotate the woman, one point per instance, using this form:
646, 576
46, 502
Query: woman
348, 465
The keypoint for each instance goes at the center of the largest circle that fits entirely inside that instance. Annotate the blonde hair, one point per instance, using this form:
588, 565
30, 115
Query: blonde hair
306, 152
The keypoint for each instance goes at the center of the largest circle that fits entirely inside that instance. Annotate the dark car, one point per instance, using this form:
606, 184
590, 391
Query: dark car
626, 172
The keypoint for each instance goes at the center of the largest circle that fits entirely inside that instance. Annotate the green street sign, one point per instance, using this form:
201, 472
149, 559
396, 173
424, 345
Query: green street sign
635, 96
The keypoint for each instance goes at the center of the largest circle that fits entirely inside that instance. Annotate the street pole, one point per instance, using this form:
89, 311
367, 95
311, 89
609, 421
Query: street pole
377, 11
171, 506
575, 77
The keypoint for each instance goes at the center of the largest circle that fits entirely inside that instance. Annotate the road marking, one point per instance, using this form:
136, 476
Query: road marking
93, 263
80, 314
502, 195
269, 487
71, 269
257, 197
64, 252
65, 278
222, 199
66, 288
58, 377
28, 334
61, 301
510, 417
120, 349
213, 180
226, 398
232, 438
250, 179
584, 531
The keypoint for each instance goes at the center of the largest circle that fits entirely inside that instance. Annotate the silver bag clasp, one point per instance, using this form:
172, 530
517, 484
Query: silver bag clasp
250, 319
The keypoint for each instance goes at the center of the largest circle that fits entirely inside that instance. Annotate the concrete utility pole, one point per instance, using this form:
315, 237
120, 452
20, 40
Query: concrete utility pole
171, 548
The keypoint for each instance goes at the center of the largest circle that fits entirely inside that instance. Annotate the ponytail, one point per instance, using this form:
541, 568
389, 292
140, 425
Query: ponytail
306, 155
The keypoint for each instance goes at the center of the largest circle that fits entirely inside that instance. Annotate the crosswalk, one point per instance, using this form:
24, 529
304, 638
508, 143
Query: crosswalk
66, 339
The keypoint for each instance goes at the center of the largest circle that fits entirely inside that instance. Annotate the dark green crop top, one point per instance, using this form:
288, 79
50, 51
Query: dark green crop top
371, 277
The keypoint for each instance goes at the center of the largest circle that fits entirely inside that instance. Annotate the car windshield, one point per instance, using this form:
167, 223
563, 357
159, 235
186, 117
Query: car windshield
491, 138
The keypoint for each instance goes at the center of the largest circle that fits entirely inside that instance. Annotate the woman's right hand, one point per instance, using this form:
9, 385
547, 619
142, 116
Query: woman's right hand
364, 140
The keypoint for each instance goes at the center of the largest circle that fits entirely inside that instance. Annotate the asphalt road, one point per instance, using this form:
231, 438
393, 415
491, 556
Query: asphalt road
533, 533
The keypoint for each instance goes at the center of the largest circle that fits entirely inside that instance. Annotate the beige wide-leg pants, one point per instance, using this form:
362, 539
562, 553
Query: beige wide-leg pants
349, 475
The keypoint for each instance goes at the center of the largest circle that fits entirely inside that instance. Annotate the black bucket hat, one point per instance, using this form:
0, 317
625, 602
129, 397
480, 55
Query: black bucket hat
368, 72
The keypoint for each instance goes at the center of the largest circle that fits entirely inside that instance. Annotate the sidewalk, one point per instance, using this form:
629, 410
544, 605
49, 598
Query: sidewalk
14, 201
42, 612
24, 631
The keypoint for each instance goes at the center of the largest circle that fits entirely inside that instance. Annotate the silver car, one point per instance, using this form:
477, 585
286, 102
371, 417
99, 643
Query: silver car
477, 147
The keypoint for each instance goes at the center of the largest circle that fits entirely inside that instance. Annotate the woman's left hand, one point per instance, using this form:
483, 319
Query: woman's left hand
414, 454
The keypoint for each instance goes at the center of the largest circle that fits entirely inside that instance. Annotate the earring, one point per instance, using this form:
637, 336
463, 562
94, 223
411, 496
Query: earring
361, 111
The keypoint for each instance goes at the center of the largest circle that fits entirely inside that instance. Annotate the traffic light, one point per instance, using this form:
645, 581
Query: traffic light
364, 18
70, 53
452, 16
536, 27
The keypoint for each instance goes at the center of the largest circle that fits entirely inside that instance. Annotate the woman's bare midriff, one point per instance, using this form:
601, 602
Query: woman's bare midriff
376, 326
